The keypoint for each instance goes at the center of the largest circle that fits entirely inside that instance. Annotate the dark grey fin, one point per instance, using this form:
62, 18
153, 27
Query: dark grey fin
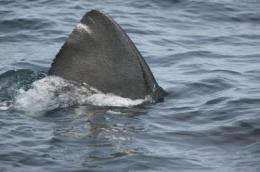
99, 53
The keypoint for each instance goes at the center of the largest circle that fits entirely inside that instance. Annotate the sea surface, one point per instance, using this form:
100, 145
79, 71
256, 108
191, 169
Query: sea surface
204, 53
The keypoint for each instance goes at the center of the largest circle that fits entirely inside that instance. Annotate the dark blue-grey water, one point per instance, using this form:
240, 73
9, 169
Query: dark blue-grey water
206, 54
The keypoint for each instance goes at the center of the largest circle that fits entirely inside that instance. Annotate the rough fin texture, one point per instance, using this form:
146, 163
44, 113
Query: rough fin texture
98, 52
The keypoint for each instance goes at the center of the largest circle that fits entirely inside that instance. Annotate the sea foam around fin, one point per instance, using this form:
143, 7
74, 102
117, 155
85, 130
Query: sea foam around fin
52, 92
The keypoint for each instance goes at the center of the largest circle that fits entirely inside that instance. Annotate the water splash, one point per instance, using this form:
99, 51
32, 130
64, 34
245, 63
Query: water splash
54, 92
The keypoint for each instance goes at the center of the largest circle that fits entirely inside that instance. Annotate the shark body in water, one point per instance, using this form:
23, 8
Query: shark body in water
99, 53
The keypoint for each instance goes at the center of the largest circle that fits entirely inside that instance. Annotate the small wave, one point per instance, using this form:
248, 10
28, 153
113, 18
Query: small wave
24, 24
54, 92
216, 100
208, 86
245, 101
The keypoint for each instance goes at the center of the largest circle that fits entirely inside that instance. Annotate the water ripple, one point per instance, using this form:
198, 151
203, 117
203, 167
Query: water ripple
204, 53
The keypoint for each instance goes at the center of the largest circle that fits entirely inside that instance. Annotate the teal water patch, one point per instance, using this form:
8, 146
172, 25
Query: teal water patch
11, 81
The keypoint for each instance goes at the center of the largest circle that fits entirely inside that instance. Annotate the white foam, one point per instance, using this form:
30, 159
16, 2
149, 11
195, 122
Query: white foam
54, 92
114, 112
100, 99
83, 27
5, 105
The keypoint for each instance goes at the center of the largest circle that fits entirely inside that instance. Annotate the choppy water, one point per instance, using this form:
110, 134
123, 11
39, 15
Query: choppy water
206, 54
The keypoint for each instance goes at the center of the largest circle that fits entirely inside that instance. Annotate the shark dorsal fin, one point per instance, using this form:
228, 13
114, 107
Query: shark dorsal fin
98, 52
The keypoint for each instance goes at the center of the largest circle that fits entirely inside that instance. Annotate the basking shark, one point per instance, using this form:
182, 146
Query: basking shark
99, 53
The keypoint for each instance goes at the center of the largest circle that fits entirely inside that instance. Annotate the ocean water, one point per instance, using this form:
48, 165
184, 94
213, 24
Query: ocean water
205, 54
